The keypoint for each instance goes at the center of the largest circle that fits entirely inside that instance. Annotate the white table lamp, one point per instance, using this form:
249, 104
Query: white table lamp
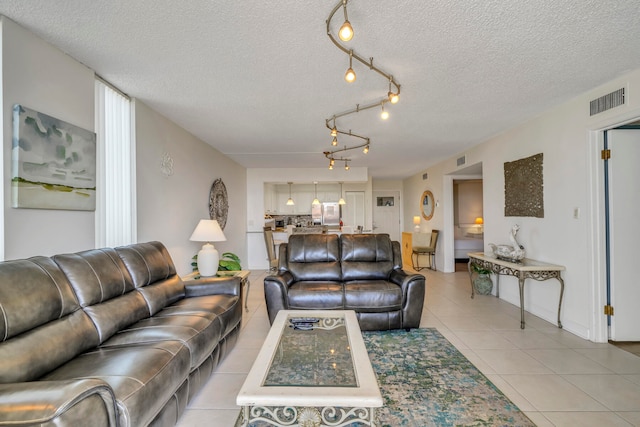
416, 224
208, 230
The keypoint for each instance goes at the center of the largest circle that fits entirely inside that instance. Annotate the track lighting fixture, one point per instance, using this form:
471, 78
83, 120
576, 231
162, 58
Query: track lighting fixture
332, 162
341, 201
392, 96
290, 201
350, 75
346, 31
384, 115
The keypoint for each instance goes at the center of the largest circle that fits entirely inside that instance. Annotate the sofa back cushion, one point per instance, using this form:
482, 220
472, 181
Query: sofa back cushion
314, 257
41, 326
104, 289
154, 274
366, 256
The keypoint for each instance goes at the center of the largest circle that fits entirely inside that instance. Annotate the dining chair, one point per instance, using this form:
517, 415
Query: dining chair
271, 249
430, 251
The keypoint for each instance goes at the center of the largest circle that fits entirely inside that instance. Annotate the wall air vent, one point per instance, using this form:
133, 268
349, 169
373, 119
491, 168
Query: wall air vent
461, 160
607, 102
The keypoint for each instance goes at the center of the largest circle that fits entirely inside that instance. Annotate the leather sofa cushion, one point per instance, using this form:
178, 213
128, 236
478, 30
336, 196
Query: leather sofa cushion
319, 295
199, 334
104, 288
227, 308
50, 324
153, 274
366, 256
142, 377
314, 257
24, 279
372, 296
147, 262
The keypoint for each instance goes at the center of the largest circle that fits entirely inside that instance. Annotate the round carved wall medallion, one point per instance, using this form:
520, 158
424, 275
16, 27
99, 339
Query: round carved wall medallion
218, 203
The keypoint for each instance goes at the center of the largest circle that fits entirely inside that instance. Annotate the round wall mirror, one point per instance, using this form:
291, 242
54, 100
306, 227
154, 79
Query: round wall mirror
427, 205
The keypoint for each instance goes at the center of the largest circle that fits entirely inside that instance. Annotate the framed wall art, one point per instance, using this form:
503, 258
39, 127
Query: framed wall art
53, 163
524, 187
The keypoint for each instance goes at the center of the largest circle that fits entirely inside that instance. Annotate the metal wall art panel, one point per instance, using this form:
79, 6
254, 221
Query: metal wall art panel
524, 187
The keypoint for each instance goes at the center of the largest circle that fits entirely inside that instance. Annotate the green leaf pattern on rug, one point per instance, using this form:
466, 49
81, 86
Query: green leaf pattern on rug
426, 381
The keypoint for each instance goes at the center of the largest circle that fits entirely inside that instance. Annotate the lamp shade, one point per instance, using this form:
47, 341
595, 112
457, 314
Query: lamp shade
208, 230
416, 220
479, 220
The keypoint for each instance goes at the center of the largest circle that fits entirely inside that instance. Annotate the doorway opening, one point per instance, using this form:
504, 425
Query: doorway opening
463, 217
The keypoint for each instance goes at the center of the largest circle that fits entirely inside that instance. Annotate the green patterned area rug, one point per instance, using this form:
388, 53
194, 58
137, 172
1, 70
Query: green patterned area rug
426, 381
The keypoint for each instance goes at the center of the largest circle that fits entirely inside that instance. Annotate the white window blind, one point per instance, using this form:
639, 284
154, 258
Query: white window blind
115, 204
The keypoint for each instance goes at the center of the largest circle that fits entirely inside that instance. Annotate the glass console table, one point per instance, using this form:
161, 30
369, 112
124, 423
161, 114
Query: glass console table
525, 269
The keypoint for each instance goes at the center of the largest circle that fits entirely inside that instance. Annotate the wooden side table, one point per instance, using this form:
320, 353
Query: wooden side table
242, 274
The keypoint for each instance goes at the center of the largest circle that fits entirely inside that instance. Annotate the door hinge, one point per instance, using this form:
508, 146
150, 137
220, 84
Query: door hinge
606, 154
608, 310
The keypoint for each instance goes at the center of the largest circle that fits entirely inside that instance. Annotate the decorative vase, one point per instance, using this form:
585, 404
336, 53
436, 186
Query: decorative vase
483, 284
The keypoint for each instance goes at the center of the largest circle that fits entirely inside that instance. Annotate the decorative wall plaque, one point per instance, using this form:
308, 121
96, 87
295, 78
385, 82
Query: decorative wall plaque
524, 187
218, 203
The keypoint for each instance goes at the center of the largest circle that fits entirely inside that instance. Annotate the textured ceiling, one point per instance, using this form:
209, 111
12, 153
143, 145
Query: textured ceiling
256, 79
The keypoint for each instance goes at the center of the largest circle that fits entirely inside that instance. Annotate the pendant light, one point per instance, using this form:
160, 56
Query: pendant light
384, 115
315, 202
341, 201
346, 30
350, 75
290, 201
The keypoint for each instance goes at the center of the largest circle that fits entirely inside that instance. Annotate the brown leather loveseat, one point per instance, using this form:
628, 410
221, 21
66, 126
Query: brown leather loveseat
108, 337
361, 272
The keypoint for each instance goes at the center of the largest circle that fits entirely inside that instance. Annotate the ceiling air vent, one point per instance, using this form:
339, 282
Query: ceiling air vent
425, 176
461, 160
607, 102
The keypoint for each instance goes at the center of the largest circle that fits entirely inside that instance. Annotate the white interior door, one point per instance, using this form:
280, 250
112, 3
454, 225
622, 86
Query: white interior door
624, 211
386, 213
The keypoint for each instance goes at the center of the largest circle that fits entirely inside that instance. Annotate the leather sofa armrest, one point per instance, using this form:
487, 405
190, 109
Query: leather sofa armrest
57, 403
276, 288
413, 291
213, 285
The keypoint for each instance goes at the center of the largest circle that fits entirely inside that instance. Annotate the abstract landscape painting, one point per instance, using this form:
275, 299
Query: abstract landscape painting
53, 163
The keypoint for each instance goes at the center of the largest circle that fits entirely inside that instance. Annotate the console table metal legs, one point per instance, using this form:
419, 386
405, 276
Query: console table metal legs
528, 269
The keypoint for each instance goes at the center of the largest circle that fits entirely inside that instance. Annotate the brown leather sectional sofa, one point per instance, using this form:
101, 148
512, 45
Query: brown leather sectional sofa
108, 337
361, 272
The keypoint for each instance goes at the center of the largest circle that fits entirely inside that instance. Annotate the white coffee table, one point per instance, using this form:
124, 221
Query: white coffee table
316, 378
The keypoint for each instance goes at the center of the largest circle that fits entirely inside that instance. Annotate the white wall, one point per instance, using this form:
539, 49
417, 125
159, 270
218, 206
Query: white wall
169, 207
43, 78
567, 137
40, 76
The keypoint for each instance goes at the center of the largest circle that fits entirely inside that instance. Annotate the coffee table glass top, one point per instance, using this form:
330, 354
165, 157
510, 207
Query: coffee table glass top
312, 352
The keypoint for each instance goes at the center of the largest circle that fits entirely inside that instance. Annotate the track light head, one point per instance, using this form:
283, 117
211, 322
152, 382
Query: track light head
350, 75
346, 31
334, 131
334, 142
384, 115
365, 150
346, 165
393, 97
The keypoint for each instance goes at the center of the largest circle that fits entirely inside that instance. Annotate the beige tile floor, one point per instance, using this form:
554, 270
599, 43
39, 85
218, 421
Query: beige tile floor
556, 378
